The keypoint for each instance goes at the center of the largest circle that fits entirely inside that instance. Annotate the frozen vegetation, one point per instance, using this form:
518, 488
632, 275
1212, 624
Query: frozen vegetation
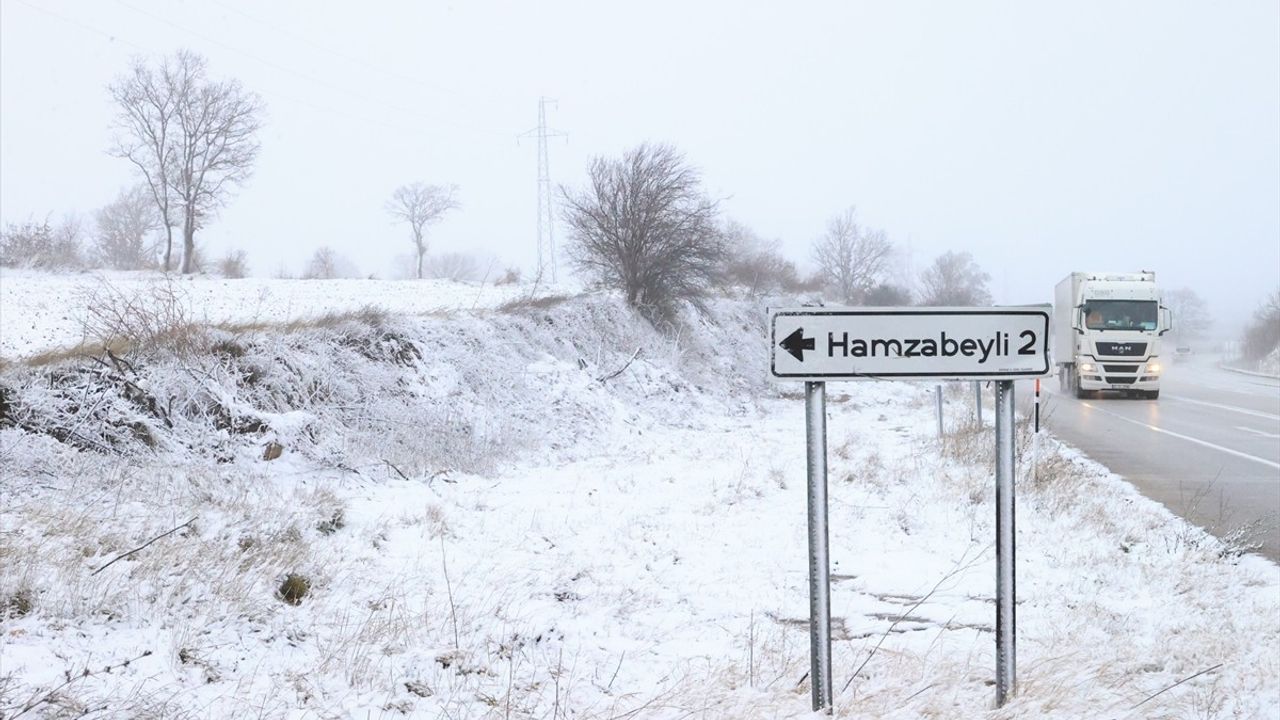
548, 509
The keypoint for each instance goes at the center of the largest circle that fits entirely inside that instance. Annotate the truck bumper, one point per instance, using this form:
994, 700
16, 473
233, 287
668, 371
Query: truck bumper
1123, 376
1147, 383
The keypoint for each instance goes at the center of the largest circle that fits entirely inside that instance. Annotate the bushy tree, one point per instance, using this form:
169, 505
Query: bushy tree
419, 205
644, 226
954, 279
124, 241
852, 258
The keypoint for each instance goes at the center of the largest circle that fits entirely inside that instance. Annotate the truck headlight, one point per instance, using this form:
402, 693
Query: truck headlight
1087, 367
1154, 368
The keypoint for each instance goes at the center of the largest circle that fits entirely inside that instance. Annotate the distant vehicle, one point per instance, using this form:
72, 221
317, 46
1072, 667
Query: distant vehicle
1182, 352
1107, 329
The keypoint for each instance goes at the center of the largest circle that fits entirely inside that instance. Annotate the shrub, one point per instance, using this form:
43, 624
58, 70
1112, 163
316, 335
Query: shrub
294, 588
510, 276
1262, 336
234, 265
42, 246
156, 314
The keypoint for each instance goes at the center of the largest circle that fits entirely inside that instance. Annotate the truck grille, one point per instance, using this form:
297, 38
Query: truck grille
1120, 368
1120, 380
1116, 349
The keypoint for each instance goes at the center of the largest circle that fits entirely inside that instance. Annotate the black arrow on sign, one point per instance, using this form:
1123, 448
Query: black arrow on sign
796, 343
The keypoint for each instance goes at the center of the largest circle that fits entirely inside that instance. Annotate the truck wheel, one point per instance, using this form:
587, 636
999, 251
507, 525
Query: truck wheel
1152, 394
1082, 393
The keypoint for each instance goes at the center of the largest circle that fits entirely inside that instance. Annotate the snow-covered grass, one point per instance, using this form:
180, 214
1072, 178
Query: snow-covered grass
41, 311
554, 510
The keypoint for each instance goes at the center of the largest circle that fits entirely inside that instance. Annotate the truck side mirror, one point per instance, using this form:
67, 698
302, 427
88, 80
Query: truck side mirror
1076, 324
1166, 320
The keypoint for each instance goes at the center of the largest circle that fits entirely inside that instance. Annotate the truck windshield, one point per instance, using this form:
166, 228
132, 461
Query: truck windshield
1120, 314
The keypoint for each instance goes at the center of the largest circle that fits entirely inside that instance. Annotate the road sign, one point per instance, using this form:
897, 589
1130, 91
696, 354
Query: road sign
817, 344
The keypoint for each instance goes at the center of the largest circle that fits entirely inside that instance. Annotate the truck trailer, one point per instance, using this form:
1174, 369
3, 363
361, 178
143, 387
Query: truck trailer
1107, 332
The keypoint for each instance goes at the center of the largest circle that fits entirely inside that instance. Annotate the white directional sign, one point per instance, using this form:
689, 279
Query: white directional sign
817, 343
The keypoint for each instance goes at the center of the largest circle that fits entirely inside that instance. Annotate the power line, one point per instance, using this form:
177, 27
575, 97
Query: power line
81, 25
115, 38
347, 57
546, 234
301, 75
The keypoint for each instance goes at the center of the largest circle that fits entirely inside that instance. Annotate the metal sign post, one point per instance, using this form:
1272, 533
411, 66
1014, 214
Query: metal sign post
1006, 641
817, 344
977, 399
815, 416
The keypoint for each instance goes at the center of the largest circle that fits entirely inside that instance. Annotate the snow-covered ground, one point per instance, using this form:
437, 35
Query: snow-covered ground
555, 511
42, 311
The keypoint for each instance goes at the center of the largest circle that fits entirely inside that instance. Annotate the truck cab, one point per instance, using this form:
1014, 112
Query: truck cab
1109, 333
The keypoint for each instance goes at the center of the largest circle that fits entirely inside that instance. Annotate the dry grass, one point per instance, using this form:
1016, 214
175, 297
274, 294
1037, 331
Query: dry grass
530, 303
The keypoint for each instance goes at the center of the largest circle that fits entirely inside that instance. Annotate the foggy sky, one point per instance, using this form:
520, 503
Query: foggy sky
1046, 139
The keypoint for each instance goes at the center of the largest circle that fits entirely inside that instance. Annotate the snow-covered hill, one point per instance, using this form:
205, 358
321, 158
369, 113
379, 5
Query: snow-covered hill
41, 311
553, 510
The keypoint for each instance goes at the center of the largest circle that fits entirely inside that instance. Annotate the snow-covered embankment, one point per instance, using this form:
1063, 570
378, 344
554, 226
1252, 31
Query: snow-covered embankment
511, 514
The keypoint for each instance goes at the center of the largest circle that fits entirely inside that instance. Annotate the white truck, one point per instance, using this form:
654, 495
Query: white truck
1107, 330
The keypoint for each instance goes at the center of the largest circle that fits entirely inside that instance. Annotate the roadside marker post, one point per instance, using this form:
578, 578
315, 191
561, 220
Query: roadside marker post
938, 392
815, 345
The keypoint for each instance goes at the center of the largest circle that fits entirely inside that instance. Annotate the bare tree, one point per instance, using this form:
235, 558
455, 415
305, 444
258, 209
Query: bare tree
1190, 313
954, 279
193, 139
644, 226
124, 227
850, 257
327, 264
754, 264
420, 205
144, 124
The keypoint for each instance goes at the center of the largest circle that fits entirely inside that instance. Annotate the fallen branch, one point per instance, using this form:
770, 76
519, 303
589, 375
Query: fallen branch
398, 471
36, 702
141, 547
960, 567
620, 370
1189, 677
615, 672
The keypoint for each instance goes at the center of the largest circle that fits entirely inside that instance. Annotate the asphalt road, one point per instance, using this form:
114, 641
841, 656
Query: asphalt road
1208, 449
